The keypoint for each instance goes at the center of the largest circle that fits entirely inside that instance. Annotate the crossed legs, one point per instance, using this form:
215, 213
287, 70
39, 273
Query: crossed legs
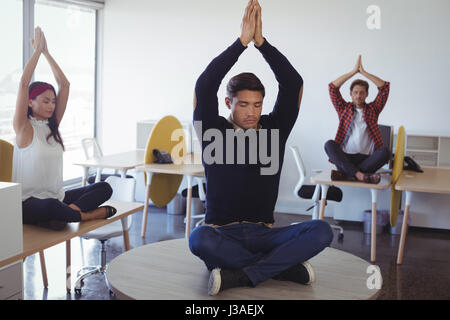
353, 165
261, 252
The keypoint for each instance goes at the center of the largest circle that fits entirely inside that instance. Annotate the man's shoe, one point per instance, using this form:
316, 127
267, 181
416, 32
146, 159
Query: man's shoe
337, 175
373, 178
222, 279
302, 273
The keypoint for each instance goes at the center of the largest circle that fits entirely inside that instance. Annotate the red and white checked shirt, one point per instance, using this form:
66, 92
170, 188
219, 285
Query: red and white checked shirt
371, 111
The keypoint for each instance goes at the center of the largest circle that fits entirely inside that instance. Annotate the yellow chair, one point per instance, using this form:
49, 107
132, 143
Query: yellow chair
6, 164
6, 159
167, 134
397, 169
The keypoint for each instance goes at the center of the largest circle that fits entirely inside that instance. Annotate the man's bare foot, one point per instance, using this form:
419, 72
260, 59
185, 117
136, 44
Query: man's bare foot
373, 178
360, 176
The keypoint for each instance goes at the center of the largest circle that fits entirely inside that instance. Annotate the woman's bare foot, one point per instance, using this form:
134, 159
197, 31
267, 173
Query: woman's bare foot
99, 213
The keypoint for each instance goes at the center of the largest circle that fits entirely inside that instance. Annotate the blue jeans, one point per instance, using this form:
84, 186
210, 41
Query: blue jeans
261, 252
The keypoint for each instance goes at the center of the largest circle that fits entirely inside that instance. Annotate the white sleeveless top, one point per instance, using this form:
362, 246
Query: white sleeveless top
39, 166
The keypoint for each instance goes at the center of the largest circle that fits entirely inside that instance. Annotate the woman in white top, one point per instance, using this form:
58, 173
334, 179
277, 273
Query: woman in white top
38, 152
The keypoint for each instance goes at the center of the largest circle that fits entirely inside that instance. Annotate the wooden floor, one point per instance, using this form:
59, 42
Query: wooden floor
423, 274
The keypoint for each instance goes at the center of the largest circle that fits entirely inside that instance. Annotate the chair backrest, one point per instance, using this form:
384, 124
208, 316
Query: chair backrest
201, 190
300, 167
6, 160
167, 134
123, 190
91, 148
387, 134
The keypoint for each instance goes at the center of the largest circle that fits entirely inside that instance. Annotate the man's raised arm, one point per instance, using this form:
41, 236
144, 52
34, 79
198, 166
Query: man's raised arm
342, 79
209, 81
290, 82
378, 82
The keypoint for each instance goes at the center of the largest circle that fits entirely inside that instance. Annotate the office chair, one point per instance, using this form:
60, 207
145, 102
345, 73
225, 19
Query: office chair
6, 168
313, 191
387, 135
92, 150
198, 191
123, 190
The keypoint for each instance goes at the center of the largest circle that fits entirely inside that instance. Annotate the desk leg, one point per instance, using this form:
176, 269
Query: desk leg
85, 176
126, 240
323, 201
373, 248
126, 235
315, 199
188, 206
43, 269
404, 227
145, 213
98, 175
68, 267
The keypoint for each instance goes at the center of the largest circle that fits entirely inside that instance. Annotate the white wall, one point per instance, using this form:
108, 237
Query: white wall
154, 51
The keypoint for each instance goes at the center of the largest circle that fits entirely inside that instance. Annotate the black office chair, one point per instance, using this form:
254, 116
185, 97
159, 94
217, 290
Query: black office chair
387, 135
313, 192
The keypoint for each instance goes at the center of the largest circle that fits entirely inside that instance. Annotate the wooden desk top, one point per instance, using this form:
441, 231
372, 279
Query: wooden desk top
325, 178
36, 238
119, 161
168, 270
188, 168
432, 180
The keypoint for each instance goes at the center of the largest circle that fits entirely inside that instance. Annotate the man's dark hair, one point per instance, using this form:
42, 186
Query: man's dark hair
244, 81
359, 82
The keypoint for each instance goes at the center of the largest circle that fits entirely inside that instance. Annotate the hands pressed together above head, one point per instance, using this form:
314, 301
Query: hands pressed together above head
39, 43
251, 27
358, 66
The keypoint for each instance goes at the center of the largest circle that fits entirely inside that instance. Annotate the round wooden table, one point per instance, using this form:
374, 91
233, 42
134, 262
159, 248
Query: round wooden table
167, 270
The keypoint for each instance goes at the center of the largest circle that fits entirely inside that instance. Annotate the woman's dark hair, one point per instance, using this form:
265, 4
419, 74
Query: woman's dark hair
52, 123
244, 81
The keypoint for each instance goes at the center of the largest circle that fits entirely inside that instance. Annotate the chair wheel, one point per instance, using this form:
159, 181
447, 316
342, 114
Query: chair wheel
78, 292
341, 236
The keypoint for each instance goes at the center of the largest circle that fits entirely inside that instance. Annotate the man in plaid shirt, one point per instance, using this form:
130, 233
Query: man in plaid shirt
357, 150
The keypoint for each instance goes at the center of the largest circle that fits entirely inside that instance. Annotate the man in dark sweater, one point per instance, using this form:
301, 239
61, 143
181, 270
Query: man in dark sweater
237, 241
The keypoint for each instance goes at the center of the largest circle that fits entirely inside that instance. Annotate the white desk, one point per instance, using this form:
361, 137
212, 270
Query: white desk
188, 169
37, 239
432, 180
324, 180
11, 283
123, 162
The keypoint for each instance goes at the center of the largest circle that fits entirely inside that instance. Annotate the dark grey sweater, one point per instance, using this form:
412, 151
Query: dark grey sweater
239, 192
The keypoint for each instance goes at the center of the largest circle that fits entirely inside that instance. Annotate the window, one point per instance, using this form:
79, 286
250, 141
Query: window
71, 35
70, 32
10, 64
